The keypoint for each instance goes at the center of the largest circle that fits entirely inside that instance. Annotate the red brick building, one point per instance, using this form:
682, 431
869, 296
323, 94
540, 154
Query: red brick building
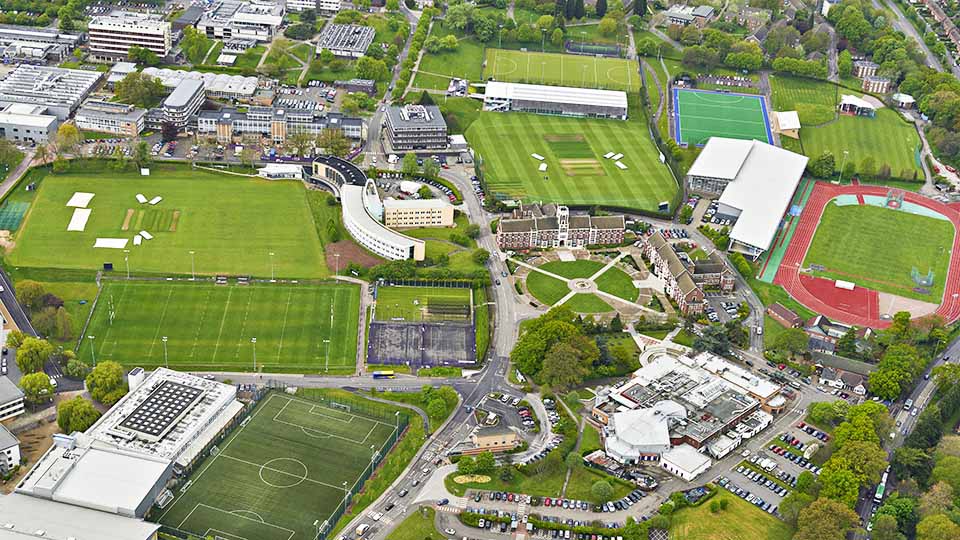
551, 226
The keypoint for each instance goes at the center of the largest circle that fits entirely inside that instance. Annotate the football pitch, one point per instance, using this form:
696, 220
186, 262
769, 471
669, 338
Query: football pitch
699, 115
562, 70
281, 471
573, 150
298, 328
206, 223
423, 304
878, 247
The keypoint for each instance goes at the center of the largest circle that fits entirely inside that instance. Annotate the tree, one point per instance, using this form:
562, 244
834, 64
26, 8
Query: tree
143, 56
912, 462
32, 354
299, 31
947, 470
938, 527
713, 339
691, 35
472, 231
486, 462
371, 68
601, 490
431, 169
29, 293
791, 506
467, 465
409, 165
393, 6
562, 367
68, 137
601, 8
106, 382
938, 499
333, 142
868, 167
76, 414
168, 131
76, 369
309, 16
822, 166
556, 37
480, 256
825, 519
140, 89
844, 63
865, 459
573, 460
41, 154
616, 324
792, 341
15, 338
436, 408
36, 387
885, 528
838, 482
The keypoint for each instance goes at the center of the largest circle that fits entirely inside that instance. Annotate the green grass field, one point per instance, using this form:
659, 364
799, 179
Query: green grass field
877, 248
280, 472
422, 303
814, 101
546, 289
740, 521
209, 327
888, 139
587, 303
562, 70
232, 224
465, 62
550, 290
707, 114
505, 142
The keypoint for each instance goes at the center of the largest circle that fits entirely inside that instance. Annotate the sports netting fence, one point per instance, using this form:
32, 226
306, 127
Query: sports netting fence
600, 49
11, 215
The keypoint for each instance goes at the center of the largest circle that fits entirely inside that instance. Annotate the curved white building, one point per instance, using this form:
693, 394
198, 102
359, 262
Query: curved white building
358, 197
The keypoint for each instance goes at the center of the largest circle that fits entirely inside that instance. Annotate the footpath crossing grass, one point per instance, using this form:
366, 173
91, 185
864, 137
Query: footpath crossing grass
550, 290
562, 70
231, 224
209, 327
701, 115
878, 247
278, 473
422, 303
505, 143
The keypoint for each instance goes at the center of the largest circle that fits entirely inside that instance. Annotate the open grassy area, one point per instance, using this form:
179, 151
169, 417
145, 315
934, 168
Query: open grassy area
231, 224
548, 290
562, 70
209, 327
878, 247
886, 138
278, 473
577, 172
587, 303
590, 440
618, 283
463, 111
250, 58
422, 303
547, 484
418, 526
740, 521
815, 101
465, 62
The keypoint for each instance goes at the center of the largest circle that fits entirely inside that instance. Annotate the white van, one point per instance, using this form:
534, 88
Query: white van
363, 528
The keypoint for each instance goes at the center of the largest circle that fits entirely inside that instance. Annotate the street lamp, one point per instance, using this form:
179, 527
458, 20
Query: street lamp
193, 268
326, 364
166, 363
843, 163
499, 36
346, 494
337, 256
92, 355
272, 277
126, 261
253, 340
543, 40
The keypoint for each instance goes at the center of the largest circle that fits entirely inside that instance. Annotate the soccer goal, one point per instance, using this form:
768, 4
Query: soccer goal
341, 406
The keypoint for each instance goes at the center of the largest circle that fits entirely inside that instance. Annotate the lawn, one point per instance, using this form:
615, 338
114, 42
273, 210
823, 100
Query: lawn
740, 521
886, 138
877, 247
814, 101
250, 58
299, 328
422, 303
418, 526
505, 142
229, 223
587, 303
684, 338
280, 471
547, 484
465, 111
548, 290
590, 440
617, 283
709, 114
562, 70
465, 62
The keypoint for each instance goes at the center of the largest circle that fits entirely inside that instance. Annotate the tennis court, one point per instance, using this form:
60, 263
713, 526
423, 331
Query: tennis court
701, 114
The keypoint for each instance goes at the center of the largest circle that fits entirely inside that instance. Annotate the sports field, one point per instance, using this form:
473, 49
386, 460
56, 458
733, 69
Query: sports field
423, 304
886, 138
699, 115
877, 248
562, 70
573, 150
232, 224
280, 472
299, 328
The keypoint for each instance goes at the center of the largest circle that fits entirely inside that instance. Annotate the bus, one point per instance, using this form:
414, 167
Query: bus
384, 375
881, 489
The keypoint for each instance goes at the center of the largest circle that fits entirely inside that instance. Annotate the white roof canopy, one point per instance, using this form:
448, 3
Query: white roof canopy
788, 119
856, 102
556, 94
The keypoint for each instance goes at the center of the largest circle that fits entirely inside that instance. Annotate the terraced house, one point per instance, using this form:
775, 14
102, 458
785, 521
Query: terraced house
686, 279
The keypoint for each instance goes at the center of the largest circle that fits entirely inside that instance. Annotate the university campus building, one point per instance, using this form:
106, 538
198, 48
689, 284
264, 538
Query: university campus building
551, 226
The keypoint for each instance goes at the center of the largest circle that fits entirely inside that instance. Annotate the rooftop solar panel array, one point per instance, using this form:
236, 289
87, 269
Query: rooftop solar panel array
164, 406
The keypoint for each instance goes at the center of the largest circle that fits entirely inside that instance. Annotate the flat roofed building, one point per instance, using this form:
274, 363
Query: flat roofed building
275, 123
281, 171
26, 515
865, 68
369, 232
216, 85
123, 462
555, 100
60, 90
257, 19
9, 450
10, 32
685, 461
183, 103
416, 127
111, 36
417, 213
642, 434
756, 182
11, 399
110, 117
492, 439
119, 71
20, 122
345, 40
876, 85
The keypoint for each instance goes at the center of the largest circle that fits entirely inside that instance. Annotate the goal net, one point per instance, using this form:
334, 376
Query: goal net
341, 406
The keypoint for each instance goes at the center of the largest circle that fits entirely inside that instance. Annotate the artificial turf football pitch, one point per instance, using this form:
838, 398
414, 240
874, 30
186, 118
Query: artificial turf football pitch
699, 115
573, 150
299, 328
279, 472
580, 71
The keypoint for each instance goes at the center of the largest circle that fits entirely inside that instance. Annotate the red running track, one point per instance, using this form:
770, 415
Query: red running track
861, 306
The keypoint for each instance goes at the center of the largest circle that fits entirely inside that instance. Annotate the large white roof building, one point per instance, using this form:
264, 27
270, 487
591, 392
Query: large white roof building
756, 182
555, 100
215, 84
60, 90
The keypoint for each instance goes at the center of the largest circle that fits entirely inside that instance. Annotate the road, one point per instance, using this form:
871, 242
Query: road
903, 25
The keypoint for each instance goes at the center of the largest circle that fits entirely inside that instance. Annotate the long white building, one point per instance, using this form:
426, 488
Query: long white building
111, 36
256, 19
60, 90
555, 100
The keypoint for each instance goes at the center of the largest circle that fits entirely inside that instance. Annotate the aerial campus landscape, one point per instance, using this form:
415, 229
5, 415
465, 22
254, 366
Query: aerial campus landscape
504, 269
